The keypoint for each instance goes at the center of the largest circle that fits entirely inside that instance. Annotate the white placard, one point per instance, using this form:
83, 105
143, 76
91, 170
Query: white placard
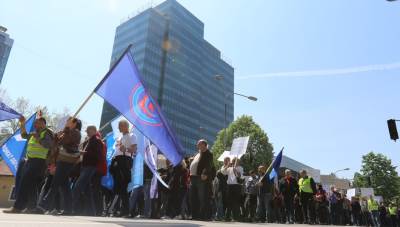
224, 155
239, 146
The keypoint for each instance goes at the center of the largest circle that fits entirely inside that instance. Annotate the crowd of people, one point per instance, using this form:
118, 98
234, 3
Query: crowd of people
62, 176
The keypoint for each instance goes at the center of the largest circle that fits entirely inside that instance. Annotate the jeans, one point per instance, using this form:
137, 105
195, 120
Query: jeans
61, 185
147, 200
200, 198
289, 208
263, 206
30, 181
82, 186
375, 218
251, 206
136, 194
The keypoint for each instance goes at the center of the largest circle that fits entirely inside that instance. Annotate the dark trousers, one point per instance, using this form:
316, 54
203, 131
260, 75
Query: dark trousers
394, 220
200, 198
30, 182
83, 187
175, 198
264, 206
356, 218
322, 212
289, 208
234, 195
97, 194
306, 200
250, 207
61, 185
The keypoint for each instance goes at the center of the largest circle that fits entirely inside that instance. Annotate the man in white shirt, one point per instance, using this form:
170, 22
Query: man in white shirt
121, 165
235, 176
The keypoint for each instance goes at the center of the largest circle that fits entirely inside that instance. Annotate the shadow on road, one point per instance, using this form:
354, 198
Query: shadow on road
150, 224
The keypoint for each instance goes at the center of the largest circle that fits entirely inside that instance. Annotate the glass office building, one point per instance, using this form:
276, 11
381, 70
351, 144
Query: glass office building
179, 68
5, 47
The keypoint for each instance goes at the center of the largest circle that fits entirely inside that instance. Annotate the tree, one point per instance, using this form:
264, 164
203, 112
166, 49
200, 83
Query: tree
259, 150
378, 172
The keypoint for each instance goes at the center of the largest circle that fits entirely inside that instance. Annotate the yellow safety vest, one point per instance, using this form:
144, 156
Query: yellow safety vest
35, 149
305, 185
393, 211
372, 205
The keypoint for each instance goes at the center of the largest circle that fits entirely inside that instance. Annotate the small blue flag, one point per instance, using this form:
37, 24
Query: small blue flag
276, 165
14, 148
123, 89
6, 113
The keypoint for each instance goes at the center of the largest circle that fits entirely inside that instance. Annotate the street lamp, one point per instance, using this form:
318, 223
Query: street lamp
340, 170
252, 98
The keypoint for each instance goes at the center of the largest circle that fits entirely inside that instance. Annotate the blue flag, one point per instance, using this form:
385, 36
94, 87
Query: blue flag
14, 148
6, 113
137, 167
276, 165
107, 180
123, 89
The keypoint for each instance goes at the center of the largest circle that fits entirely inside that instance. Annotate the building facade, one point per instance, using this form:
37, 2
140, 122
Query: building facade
5, 47
179, 68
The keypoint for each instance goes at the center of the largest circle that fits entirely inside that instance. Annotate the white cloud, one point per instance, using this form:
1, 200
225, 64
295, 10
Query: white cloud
326, 72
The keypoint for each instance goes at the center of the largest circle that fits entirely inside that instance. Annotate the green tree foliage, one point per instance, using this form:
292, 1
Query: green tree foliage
259, 150
378, 172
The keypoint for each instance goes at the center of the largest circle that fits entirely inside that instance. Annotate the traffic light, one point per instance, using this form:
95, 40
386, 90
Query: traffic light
393, 129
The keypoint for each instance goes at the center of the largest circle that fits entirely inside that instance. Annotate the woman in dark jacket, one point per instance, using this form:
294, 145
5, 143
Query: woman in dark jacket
177, 189
65, 155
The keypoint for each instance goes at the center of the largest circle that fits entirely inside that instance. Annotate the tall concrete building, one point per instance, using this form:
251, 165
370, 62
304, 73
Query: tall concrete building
5, 47
179, 67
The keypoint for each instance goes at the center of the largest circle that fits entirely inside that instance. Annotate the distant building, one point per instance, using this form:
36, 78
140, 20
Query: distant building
5, 47
179, 68
328, 180
296, 167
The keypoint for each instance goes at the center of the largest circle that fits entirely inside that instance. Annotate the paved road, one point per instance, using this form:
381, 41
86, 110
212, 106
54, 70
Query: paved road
28, 220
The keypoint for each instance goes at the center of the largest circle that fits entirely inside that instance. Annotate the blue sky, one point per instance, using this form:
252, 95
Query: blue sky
63, 48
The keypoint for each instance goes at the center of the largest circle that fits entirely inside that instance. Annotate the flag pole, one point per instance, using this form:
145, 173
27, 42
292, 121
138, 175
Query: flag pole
269, 168
102, 80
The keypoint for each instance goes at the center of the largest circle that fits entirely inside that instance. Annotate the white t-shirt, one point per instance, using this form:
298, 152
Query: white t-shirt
232, 179
193, 166
127, 141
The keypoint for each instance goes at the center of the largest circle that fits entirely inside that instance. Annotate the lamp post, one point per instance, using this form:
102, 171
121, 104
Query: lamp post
252, 98
340, 170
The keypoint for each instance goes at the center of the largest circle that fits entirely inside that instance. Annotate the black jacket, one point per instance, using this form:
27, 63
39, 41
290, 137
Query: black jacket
206, 165
289, 188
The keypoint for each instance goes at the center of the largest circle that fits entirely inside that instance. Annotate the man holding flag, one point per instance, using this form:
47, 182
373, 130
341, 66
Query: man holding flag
39, 144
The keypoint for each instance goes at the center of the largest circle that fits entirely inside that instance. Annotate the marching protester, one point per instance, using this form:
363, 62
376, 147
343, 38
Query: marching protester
251, 197
202, 173
33, 171
234, 172
64, 156
373, 208
92, 153
321, 205
120, 168
265, 195
289, 188
307, 189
